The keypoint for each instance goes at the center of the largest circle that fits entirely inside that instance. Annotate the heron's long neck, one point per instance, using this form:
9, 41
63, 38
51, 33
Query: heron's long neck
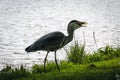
69, 37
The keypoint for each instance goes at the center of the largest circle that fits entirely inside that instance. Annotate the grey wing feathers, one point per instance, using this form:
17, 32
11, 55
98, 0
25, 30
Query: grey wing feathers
49, 42
32, 48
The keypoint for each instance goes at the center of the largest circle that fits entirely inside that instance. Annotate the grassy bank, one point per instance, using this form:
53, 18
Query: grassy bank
104, 64
101, 70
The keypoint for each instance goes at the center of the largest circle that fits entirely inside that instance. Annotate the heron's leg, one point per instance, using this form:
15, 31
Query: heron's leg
56, 62
45, 60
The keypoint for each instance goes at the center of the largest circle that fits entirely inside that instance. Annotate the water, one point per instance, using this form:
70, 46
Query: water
24, 21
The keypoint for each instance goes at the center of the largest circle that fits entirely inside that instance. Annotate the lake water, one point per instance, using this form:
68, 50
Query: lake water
24, 21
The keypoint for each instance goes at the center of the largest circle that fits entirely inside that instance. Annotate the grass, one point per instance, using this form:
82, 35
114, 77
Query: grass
104, 64
12, 74
100, 70
76, 53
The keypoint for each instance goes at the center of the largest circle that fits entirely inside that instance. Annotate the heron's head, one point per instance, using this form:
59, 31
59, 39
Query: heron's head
75, 24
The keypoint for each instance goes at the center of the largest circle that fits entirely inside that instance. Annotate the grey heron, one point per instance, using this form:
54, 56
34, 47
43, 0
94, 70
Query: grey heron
55, 40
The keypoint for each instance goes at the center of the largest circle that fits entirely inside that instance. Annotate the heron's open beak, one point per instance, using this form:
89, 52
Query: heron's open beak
84, 24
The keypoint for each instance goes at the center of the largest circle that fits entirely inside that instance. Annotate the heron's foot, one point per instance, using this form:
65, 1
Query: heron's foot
44, 70
59, 69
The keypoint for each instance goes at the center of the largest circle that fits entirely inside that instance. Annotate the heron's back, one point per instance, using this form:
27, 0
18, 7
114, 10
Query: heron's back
49, 42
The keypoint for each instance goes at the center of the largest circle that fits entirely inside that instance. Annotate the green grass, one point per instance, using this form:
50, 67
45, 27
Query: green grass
104, 64
76, 53
12, 74
101, 70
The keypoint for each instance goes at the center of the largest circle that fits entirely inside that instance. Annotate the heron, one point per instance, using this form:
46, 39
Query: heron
55, 40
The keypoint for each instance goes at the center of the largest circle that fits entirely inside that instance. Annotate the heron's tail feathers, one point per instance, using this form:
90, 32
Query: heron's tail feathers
30, 48
27, 49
